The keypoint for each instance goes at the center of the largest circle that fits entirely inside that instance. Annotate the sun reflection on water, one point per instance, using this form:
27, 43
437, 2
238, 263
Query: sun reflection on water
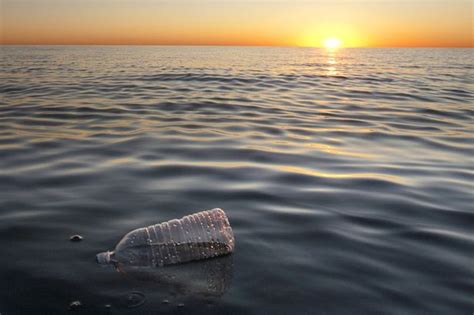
331, 69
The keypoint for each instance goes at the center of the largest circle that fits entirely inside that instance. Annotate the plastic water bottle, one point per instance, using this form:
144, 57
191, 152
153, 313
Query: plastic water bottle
197, 236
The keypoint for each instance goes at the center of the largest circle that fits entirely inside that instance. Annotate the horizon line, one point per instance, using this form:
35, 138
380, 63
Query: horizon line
221, 45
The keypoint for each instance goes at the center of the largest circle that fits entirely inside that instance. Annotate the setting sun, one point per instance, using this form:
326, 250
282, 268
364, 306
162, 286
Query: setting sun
332, 43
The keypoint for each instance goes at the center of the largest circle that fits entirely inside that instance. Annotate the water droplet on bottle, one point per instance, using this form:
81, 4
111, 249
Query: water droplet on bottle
165, 301
181, 305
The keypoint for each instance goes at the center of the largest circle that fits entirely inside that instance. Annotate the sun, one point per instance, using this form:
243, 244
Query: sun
332, 43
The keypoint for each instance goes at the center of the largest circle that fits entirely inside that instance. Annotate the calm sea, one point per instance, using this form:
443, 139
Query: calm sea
347, 176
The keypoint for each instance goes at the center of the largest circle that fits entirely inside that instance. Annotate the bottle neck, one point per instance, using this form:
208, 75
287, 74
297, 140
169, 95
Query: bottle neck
105, 258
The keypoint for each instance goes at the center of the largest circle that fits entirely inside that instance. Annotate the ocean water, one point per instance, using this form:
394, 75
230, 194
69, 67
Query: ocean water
347, 177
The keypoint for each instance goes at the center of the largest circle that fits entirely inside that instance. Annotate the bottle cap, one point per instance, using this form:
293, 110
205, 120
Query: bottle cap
103, 258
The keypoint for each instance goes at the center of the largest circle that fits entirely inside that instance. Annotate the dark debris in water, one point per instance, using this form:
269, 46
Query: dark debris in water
76, 238
75, 305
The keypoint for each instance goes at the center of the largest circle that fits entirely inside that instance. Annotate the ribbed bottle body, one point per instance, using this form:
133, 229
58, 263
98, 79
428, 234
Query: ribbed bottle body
201, 235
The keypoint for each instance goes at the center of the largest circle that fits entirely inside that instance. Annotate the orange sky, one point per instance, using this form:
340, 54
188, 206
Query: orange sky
386, 23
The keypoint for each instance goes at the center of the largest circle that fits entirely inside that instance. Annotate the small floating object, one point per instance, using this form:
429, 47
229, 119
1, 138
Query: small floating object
198, 236
75, 305
76, 238
181, 305
165, 302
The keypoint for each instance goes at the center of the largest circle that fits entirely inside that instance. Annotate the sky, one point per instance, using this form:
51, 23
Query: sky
366, 23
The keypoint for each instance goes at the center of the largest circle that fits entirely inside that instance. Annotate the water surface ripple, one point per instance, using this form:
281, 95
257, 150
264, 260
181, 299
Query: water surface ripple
347, 176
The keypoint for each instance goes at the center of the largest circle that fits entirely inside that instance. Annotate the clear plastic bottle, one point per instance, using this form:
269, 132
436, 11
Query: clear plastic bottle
197, 236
